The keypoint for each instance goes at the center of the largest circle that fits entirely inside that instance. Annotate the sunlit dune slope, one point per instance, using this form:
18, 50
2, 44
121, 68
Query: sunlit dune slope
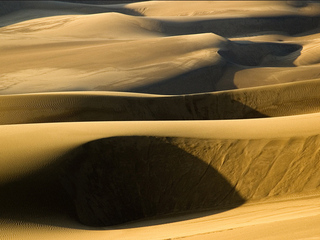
102, 66
176, 54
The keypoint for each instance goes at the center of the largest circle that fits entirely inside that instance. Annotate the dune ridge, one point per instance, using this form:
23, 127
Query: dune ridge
269, 101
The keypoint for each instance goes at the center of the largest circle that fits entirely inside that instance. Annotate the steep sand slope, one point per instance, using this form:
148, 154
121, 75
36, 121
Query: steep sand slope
253, 159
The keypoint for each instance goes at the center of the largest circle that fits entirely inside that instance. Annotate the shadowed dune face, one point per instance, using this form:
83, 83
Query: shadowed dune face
68, 108
253, 54
121, 179
37, 198
112, 181
26, 10
271, 101
7, 7
236, 27
224, 8
206, 79
116, 180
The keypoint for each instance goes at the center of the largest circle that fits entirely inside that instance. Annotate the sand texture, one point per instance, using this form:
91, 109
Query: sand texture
159, 120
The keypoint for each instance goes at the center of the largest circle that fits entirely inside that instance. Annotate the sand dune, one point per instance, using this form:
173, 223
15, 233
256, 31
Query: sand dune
148, 180
182, 56
159, 120
177, 54
269, 101
276, 163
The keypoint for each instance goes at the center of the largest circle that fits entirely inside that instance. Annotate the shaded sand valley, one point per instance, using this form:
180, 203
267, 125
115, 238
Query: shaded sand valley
159, 120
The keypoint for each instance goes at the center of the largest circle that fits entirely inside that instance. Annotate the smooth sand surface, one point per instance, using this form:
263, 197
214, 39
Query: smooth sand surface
159, 120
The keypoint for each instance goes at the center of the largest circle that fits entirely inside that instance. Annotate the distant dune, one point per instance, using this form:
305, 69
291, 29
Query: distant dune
159, 120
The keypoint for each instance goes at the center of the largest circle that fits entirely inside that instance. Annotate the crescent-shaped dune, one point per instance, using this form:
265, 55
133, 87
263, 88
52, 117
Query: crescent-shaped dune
159, 120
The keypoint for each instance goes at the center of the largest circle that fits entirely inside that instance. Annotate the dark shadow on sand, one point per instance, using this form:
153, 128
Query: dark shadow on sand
244, 55
66, 108
66, 7
233, 27
118, 180
195, 81
248, 53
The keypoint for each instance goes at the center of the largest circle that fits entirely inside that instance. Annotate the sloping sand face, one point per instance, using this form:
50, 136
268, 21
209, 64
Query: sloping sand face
213, 47
269, 101
115, 180
112, 181
159, 120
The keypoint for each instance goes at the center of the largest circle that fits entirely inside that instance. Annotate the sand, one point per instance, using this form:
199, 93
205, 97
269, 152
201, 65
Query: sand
159, 120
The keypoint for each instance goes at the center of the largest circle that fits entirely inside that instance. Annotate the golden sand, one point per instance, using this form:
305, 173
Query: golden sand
159, 120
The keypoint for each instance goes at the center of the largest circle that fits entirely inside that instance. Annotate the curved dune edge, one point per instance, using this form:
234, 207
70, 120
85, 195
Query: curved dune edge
129, 178
56, 139
226, 225
268, 101
282, 161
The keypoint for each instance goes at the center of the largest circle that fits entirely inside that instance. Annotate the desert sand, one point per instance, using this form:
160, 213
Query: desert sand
159, 120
